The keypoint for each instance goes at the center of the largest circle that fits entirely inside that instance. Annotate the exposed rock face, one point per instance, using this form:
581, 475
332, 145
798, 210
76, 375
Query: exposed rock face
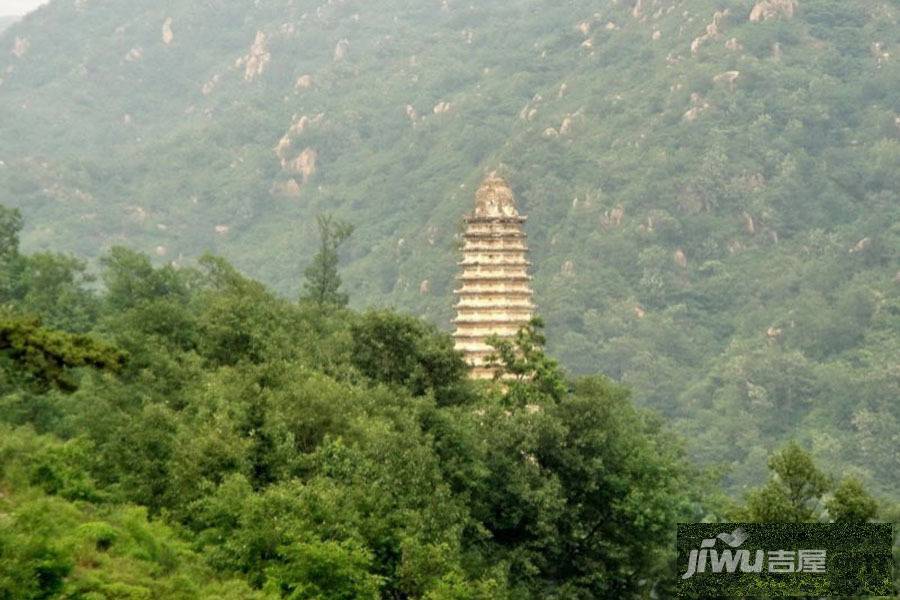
879, 53
495, 288
20, 47
341, 50
304, 165
749, 224
283, 148
298, 126
698, 106
680, 258
733, 45
861, 246
304, 82
167, 35
612, 218
210, 85
289, 188
442, 107
222, 229
424, 287
771, 9
257, 59
134, 55
713, 31
728, 77
638, 11
411, 113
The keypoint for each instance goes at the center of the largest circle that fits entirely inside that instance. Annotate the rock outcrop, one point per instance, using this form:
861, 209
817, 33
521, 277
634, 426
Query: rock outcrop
134, 55
713, 31
773, 9
861, 246
257, 59
210, 85
20, 47
167, 34
304, 164
729, 77
289, 188
698, 105
341, 50
638, 11
734, 45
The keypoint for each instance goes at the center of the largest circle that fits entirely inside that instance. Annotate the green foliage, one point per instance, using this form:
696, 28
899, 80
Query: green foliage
44, 358
322, 284
130, 279
794, 491
252, 447
798, 492
52, 547
522, 359
851, 503
326, 570
398, 350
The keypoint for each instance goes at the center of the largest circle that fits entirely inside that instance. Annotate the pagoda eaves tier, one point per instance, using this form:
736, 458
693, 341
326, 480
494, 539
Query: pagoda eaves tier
495, 288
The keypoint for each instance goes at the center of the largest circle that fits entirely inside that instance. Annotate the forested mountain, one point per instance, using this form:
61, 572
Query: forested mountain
187, 434
6, 21
712, 185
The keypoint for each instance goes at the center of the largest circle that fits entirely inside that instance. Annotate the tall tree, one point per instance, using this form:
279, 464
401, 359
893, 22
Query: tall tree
10, 227
322, 285
794, 491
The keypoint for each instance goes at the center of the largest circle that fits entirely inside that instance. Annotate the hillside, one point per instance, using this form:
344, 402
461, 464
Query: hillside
712, 186
6, 21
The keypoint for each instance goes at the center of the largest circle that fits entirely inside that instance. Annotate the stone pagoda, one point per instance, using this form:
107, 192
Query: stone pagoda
495, 288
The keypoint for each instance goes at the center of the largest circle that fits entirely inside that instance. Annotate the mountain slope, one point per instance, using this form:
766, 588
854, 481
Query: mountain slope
6, 21
711, 185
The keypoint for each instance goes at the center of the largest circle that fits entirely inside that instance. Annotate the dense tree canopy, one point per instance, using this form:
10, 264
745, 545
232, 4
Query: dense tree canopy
205, 438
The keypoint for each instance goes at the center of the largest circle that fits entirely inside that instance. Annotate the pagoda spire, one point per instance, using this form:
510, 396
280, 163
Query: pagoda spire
494, 294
